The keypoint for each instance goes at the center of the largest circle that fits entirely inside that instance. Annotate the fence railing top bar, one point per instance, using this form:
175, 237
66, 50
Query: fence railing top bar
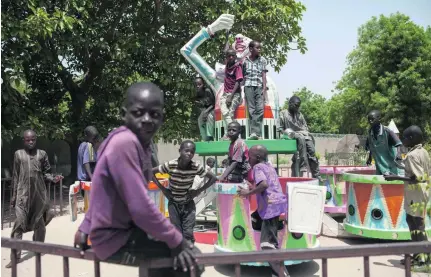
378, 249
47, 248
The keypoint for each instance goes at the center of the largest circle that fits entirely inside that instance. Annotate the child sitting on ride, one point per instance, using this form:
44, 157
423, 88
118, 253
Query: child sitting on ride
182, 172
416, 189
292, 124
271, 200
231, 97
238, 167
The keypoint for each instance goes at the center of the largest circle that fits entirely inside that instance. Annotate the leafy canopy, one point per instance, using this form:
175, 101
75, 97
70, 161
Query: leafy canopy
66, 63
389, 70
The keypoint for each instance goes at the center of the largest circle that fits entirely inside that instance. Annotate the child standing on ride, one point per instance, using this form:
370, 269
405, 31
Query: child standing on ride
255, 88
182, 172
417, 186
231, 97
238, 167
270, 200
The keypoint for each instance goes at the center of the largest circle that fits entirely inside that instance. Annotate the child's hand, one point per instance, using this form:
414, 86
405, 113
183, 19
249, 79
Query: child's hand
228, 101
57, 178
168, 194
390, 177
243, 192
250, 185
193, 193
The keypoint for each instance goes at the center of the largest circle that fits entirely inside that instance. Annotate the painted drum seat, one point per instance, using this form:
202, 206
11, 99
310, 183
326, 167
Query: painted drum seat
336, 186
375, 207
157, 196
235, 231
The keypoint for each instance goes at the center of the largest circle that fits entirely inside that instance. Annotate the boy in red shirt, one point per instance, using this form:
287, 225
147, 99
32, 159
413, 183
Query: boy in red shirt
231, 97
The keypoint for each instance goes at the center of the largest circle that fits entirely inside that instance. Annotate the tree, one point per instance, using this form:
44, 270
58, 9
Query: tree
389, 70
314, 107
76, 57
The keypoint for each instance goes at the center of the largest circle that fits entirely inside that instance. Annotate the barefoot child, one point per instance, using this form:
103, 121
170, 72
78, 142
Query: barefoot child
31, 170
270, 200
123, 223
182, 172
255, 88
417, 185
238, 167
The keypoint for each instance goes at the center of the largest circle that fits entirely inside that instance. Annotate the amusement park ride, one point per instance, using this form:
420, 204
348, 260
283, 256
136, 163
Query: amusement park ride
373, 207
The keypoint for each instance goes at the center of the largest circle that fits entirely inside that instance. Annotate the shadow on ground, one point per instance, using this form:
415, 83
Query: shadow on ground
301, 270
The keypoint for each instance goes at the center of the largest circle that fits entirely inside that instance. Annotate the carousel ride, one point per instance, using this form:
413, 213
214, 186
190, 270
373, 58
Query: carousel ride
301, 222
375, 207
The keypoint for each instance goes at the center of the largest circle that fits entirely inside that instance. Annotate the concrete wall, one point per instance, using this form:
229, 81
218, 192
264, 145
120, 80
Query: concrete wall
167, 151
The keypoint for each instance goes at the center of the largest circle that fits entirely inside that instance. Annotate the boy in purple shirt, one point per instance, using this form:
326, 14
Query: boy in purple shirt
124, 225
271, 202
231, 97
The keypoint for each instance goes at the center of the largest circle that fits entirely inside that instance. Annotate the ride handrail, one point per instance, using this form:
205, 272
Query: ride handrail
211, 259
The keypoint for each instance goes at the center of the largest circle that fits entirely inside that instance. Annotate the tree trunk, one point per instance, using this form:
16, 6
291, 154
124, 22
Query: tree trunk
74, 145
78, 103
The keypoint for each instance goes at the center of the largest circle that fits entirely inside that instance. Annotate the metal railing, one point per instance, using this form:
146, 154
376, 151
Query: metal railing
55, 195
233, 258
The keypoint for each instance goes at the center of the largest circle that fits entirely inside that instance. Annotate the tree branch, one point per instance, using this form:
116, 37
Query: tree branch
65, 76
97, 61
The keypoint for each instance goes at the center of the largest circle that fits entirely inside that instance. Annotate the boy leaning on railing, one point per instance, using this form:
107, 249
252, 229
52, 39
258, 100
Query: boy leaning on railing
416, 190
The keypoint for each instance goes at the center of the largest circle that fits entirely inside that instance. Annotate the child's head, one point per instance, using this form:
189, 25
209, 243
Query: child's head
143, 110
412, 136
230, 56
294, 104
199, 84
187, 150
211, 162
29, 137
91, 134
233, 130
257, 154
255, 48
374, 118
225, 163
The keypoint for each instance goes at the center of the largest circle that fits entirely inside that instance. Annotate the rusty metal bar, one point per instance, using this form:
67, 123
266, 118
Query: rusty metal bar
143, 269
13, 262
55, 206
61, 196
3, 199
407, 264
10, 207
366, 266
66, 271
281, 269
96, 268
238, 270
38, 266
324, 267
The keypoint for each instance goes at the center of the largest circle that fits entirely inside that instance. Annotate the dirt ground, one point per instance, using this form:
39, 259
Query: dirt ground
61, 231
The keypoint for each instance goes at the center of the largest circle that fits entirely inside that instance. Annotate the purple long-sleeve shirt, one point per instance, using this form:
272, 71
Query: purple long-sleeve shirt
119, 199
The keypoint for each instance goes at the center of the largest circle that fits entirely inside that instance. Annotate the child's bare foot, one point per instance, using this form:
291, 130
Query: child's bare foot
9, 265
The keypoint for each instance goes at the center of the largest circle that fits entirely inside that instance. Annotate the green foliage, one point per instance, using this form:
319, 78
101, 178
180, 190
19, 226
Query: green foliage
314, 107
389, 70
66, 64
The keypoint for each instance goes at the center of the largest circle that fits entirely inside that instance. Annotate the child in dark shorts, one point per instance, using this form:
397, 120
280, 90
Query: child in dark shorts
239, 166
270, 200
